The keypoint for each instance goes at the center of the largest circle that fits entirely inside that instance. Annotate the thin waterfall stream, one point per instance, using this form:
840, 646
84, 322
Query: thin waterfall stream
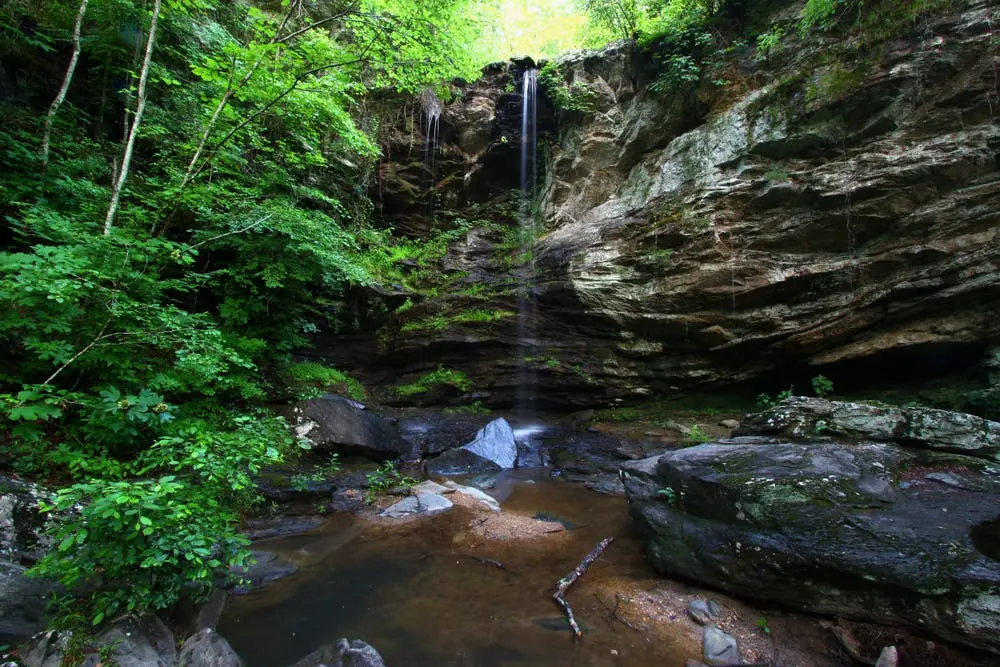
430, 107
527, 305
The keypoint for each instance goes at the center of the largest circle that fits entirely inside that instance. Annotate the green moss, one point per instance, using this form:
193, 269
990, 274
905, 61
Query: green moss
440, 376
309, 379
469, 316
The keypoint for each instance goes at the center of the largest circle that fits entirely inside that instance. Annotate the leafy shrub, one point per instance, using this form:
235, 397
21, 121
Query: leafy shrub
575, 98
385, 478
821, 385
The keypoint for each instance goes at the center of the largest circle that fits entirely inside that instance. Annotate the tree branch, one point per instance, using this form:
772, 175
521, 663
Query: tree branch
64, 88
116, 191
236, 231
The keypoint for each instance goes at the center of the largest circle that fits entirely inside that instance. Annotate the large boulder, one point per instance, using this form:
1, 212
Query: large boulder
207, 648
337, 424
871, 531
494, 448
801, 416
353, 653
22, 542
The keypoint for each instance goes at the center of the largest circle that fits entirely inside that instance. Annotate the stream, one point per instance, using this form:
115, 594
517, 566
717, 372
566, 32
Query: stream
417, 591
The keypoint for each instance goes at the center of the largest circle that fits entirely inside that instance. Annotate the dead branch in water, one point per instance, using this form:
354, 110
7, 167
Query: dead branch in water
486, 561
563, 584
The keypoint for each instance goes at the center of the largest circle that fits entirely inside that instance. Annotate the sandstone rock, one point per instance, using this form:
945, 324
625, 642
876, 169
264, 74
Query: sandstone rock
472, 492
424, 503
803, 417
207, 648
266, 567
702, 612
353, 653
853, 530
139, 641
495, 442
332, 423
730, 423
889, 657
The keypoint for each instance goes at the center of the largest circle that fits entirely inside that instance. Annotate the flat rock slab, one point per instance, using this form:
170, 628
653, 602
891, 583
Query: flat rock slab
423, 503
428, 486
865, 531
805, 417
472, 492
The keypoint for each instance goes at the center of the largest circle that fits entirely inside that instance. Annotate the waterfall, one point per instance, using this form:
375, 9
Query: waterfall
526, 343
430, 107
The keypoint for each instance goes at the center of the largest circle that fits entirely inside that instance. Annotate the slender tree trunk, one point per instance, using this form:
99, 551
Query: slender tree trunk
64, 88
140, 106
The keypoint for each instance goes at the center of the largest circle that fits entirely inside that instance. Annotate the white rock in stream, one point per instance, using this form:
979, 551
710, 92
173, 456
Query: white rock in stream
495, 442
428, 486
473, 492
423, 503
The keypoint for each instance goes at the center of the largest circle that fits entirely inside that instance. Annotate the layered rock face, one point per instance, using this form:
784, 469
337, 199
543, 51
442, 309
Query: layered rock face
879, 531
835, 205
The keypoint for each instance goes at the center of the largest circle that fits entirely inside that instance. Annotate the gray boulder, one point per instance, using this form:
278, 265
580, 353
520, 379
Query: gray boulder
804, 417
208, 648
333, 423
862, 531
493, 449
353, 653
139, 641
718, 648
422, 503
22, 599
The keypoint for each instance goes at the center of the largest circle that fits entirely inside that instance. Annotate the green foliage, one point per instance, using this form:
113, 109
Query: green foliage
769, 42
575, 98
822, 386
131, 362
474, 408
695, 436
776, 173
668, 494
302, 481
440, 376
310, 379
384, 478
764, 401
763, 626
468, 316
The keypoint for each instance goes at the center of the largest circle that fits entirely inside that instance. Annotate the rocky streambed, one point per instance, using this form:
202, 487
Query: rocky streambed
816, 533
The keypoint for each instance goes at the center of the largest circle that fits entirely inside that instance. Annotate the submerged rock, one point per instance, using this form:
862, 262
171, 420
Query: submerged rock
353, 653
853, 530
336, 424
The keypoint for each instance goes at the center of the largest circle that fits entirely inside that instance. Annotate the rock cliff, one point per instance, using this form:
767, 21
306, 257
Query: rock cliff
834, 204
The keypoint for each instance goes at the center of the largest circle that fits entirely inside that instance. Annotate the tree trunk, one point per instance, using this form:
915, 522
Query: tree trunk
133, 132
64, 88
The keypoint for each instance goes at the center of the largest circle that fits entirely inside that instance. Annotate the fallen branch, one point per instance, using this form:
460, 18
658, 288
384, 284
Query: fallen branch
485, 561
563, 584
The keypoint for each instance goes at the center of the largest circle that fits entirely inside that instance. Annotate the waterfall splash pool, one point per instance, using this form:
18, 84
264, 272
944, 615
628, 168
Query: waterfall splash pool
417, 592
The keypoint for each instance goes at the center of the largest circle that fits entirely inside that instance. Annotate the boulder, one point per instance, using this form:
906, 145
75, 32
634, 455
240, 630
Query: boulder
801, 416
333, 423
864, 531
207, 648
266, 567
139, 641
495, 442
494, 448
353, 653
422, 503
719, 648
483, 497
22, 541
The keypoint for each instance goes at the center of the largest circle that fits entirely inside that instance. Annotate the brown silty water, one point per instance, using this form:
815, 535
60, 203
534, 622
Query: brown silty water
419, 592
